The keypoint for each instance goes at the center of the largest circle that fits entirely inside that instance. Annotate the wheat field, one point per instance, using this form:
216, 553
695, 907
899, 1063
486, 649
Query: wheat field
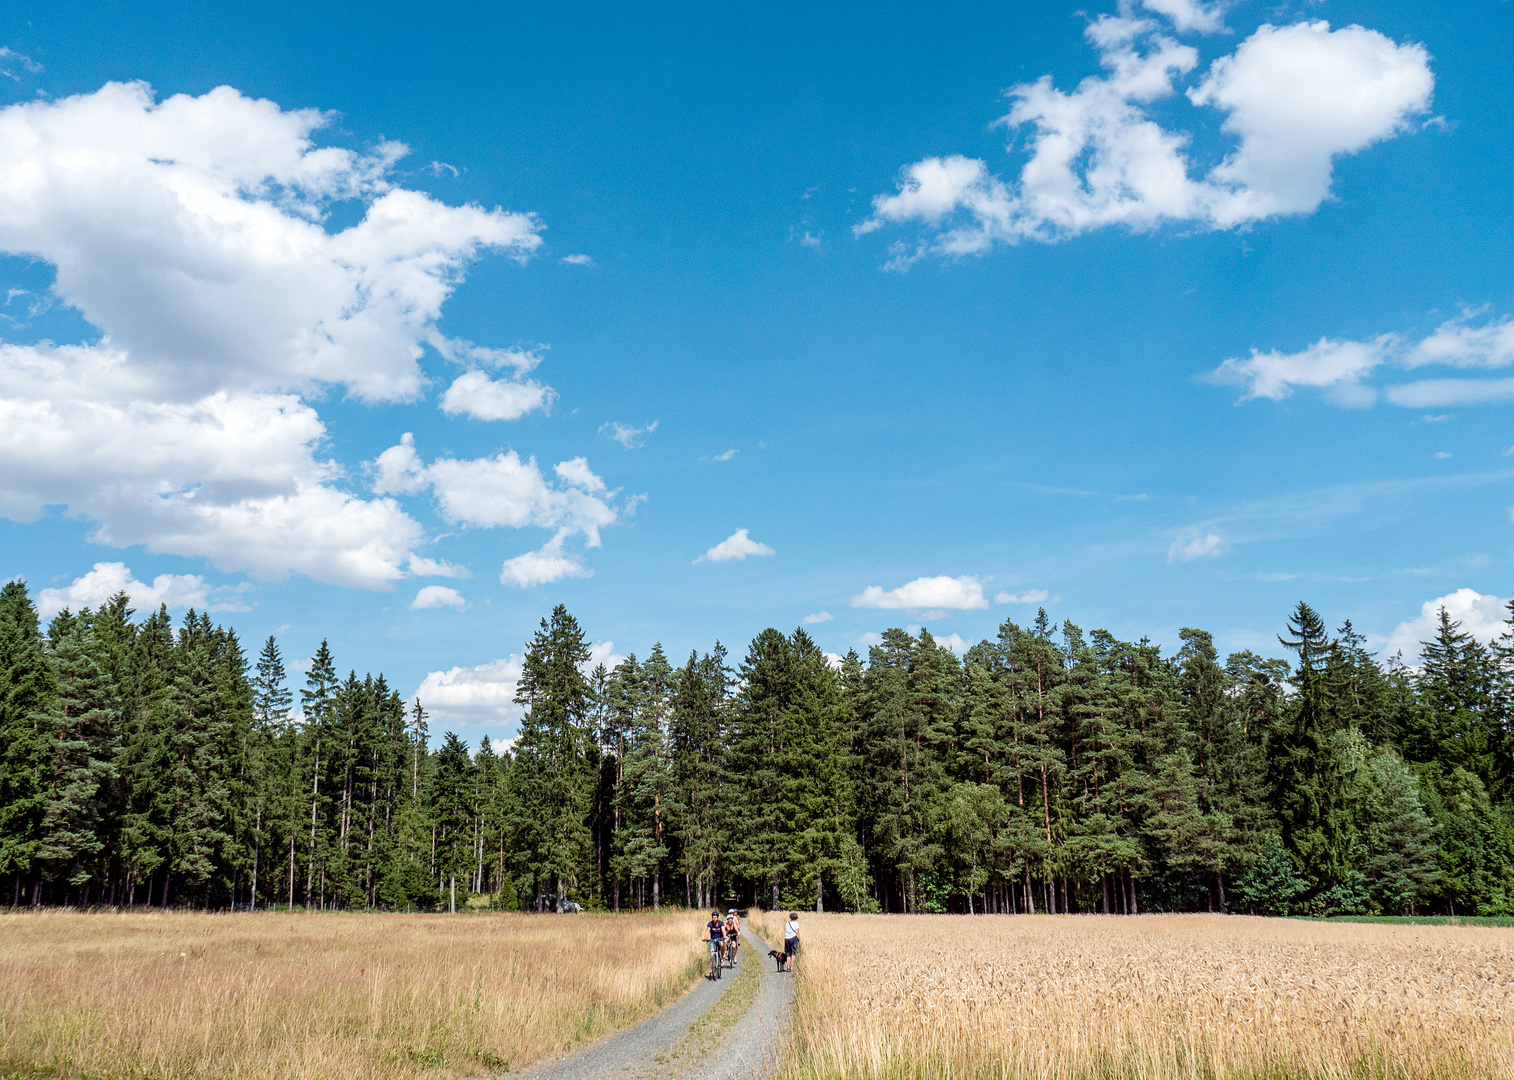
1207, 997
318, 996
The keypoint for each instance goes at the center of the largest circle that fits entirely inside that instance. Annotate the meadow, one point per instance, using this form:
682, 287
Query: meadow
355, 996
1196, 997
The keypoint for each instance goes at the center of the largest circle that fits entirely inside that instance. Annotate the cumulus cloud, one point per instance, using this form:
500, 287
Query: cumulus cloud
1339, 368
475, 394
578, 260
727, 455
543, 567
1293, 98
503, 490
431, 596
484, 694
954, 642
943, 593
1481, 615
192, 233
1029, 596
106, 579
1199, 547
817, 618
737, 546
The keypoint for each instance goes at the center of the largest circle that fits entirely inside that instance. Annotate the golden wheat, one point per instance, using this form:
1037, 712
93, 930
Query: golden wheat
1154, 997
309, 997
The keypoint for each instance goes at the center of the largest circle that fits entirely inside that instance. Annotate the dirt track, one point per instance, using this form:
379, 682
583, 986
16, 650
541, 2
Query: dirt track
665, 1048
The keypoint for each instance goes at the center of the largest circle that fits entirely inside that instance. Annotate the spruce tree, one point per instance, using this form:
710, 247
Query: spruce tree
554, 770
1308, 783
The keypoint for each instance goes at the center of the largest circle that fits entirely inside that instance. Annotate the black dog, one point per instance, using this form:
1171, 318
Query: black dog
781, 959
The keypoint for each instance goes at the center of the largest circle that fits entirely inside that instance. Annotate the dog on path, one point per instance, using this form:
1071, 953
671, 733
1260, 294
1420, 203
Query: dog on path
780, 958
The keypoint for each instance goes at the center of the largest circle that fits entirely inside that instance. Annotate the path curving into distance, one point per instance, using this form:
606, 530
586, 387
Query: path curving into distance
702, 1035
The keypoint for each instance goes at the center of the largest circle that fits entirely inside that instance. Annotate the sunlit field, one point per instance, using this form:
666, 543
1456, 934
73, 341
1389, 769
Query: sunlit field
1197, 996
328, 995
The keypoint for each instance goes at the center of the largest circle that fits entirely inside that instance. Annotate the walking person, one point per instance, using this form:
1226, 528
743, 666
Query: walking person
791, 940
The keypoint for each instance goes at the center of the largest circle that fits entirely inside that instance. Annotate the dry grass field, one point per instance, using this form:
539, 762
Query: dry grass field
356, 997
1151, 997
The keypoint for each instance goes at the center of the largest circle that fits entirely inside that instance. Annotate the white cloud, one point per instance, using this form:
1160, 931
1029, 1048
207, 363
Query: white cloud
736, 546
1458, 344
817, 618
543, 567
1481, 615
475, 394
628, 437
502, 490
727, 455
1338, 365
431, 596
1294, 98
578, 260
192, 234
1029, 596
835, 660
945, 593
484, 694
1199, 547
869, 639
954, 642
578, 473
1190, 15
1439, 393
106, 579
420, 566
602, 652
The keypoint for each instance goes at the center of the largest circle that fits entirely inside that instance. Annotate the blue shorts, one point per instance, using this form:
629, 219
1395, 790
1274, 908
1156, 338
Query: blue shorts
790, 946
715, 943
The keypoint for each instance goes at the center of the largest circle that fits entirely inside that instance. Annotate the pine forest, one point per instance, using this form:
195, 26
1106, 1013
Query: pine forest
1046, 770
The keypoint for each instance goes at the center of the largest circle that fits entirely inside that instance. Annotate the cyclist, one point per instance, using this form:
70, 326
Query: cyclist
714, 933
732, 935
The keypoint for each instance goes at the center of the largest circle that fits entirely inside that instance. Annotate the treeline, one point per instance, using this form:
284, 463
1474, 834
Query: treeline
1045, 770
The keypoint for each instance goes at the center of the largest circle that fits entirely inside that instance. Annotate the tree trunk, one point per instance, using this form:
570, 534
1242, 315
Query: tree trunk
1135, 908
1104, 886
775, 894
257, 846
166, 875
452, 901
1219, 879
315, 789
819, 893
1029, 893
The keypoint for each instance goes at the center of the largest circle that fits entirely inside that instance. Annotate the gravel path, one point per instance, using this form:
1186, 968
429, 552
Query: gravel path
664, 1048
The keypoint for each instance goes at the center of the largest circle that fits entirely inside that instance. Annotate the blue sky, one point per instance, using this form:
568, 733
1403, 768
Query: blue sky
1239, 345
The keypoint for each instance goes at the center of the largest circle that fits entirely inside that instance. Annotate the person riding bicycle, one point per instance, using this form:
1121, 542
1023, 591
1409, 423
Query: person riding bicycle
732, 935
714, 933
